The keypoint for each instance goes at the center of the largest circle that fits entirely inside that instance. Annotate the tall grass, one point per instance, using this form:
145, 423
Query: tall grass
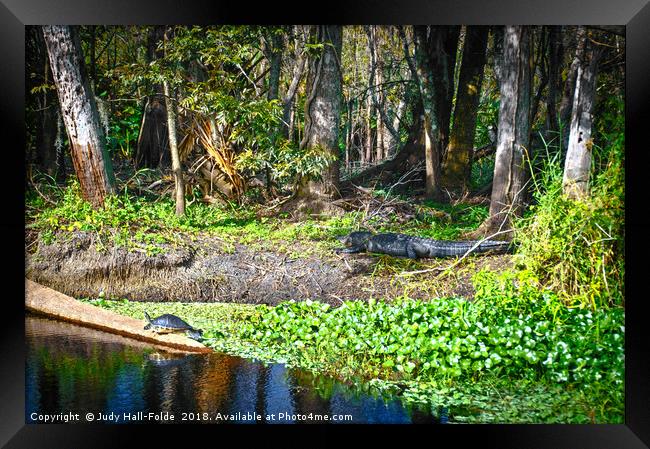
576, 247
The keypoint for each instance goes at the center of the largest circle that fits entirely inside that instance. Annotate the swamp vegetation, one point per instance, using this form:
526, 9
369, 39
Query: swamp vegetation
533, 336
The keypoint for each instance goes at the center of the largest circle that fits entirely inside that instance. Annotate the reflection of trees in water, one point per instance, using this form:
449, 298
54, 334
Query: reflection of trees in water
262, 383
214, 377
171, 382
306, 397
74, 369
72, 375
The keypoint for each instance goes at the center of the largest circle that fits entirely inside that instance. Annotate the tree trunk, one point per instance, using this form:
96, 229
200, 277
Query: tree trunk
540, 66
391, 142
578, 159
369, 136
275, 63
444, 64
569, 86
47, 106
386, 133
511, 161
179, 186
429, 50
458, 159
555, 61
152, 150
288, 100
89, 155
323, 110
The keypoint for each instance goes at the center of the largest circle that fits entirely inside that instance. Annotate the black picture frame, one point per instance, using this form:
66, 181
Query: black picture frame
635, 14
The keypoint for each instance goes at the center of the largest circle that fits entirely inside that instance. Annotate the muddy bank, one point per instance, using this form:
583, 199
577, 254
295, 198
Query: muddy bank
206, 269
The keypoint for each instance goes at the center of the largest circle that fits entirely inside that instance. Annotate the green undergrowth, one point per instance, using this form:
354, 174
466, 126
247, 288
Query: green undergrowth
576, 246
514, 354
141, 223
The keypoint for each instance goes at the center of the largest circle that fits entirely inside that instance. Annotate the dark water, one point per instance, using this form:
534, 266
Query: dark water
72, 371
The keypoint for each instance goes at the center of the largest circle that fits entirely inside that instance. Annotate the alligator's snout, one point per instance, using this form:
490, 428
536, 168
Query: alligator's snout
343, 239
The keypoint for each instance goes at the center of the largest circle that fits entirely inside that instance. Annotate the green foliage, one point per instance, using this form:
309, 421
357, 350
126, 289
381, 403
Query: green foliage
511, 365
140, 224
576, 247
124, 130
448, 338
287, 161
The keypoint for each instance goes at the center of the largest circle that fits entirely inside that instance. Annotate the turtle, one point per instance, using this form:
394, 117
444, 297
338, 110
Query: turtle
167, 323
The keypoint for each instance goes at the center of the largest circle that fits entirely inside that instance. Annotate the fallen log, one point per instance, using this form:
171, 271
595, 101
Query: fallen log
45, 301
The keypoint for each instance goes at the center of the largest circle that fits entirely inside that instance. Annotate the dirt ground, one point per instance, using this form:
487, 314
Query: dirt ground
204, 269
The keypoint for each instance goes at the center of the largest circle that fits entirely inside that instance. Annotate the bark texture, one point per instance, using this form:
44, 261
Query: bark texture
511, 160
323, 109
578, 159
79, 110
179, 185
566, 103
153, 144
432, 143
458, 158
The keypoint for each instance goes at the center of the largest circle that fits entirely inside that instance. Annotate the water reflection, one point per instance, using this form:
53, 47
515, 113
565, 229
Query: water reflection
80, 370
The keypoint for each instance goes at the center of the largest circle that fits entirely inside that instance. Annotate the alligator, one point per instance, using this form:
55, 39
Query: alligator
402, 245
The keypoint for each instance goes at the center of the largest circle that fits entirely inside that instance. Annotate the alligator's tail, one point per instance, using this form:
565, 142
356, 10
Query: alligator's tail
491, 246
443, 248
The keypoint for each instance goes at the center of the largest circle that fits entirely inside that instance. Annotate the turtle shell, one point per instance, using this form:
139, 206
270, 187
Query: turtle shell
169, 323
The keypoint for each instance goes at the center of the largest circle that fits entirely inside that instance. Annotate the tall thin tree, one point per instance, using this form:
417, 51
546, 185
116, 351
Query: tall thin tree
177, 170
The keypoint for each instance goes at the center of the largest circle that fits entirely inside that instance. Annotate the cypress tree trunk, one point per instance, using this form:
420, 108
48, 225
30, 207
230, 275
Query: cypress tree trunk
273, 53
323, 110
79, 110
511, 161
444, 65
578, 159
153, 146
458, 159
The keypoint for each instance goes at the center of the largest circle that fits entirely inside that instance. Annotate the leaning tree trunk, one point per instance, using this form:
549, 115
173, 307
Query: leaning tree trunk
578, 159
511, 161
323, 110
458, 159
89, 155
296, 76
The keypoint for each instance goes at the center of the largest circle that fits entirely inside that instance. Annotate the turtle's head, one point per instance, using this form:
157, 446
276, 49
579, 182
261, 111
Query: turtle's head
148, 326
195, 334
357, 238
